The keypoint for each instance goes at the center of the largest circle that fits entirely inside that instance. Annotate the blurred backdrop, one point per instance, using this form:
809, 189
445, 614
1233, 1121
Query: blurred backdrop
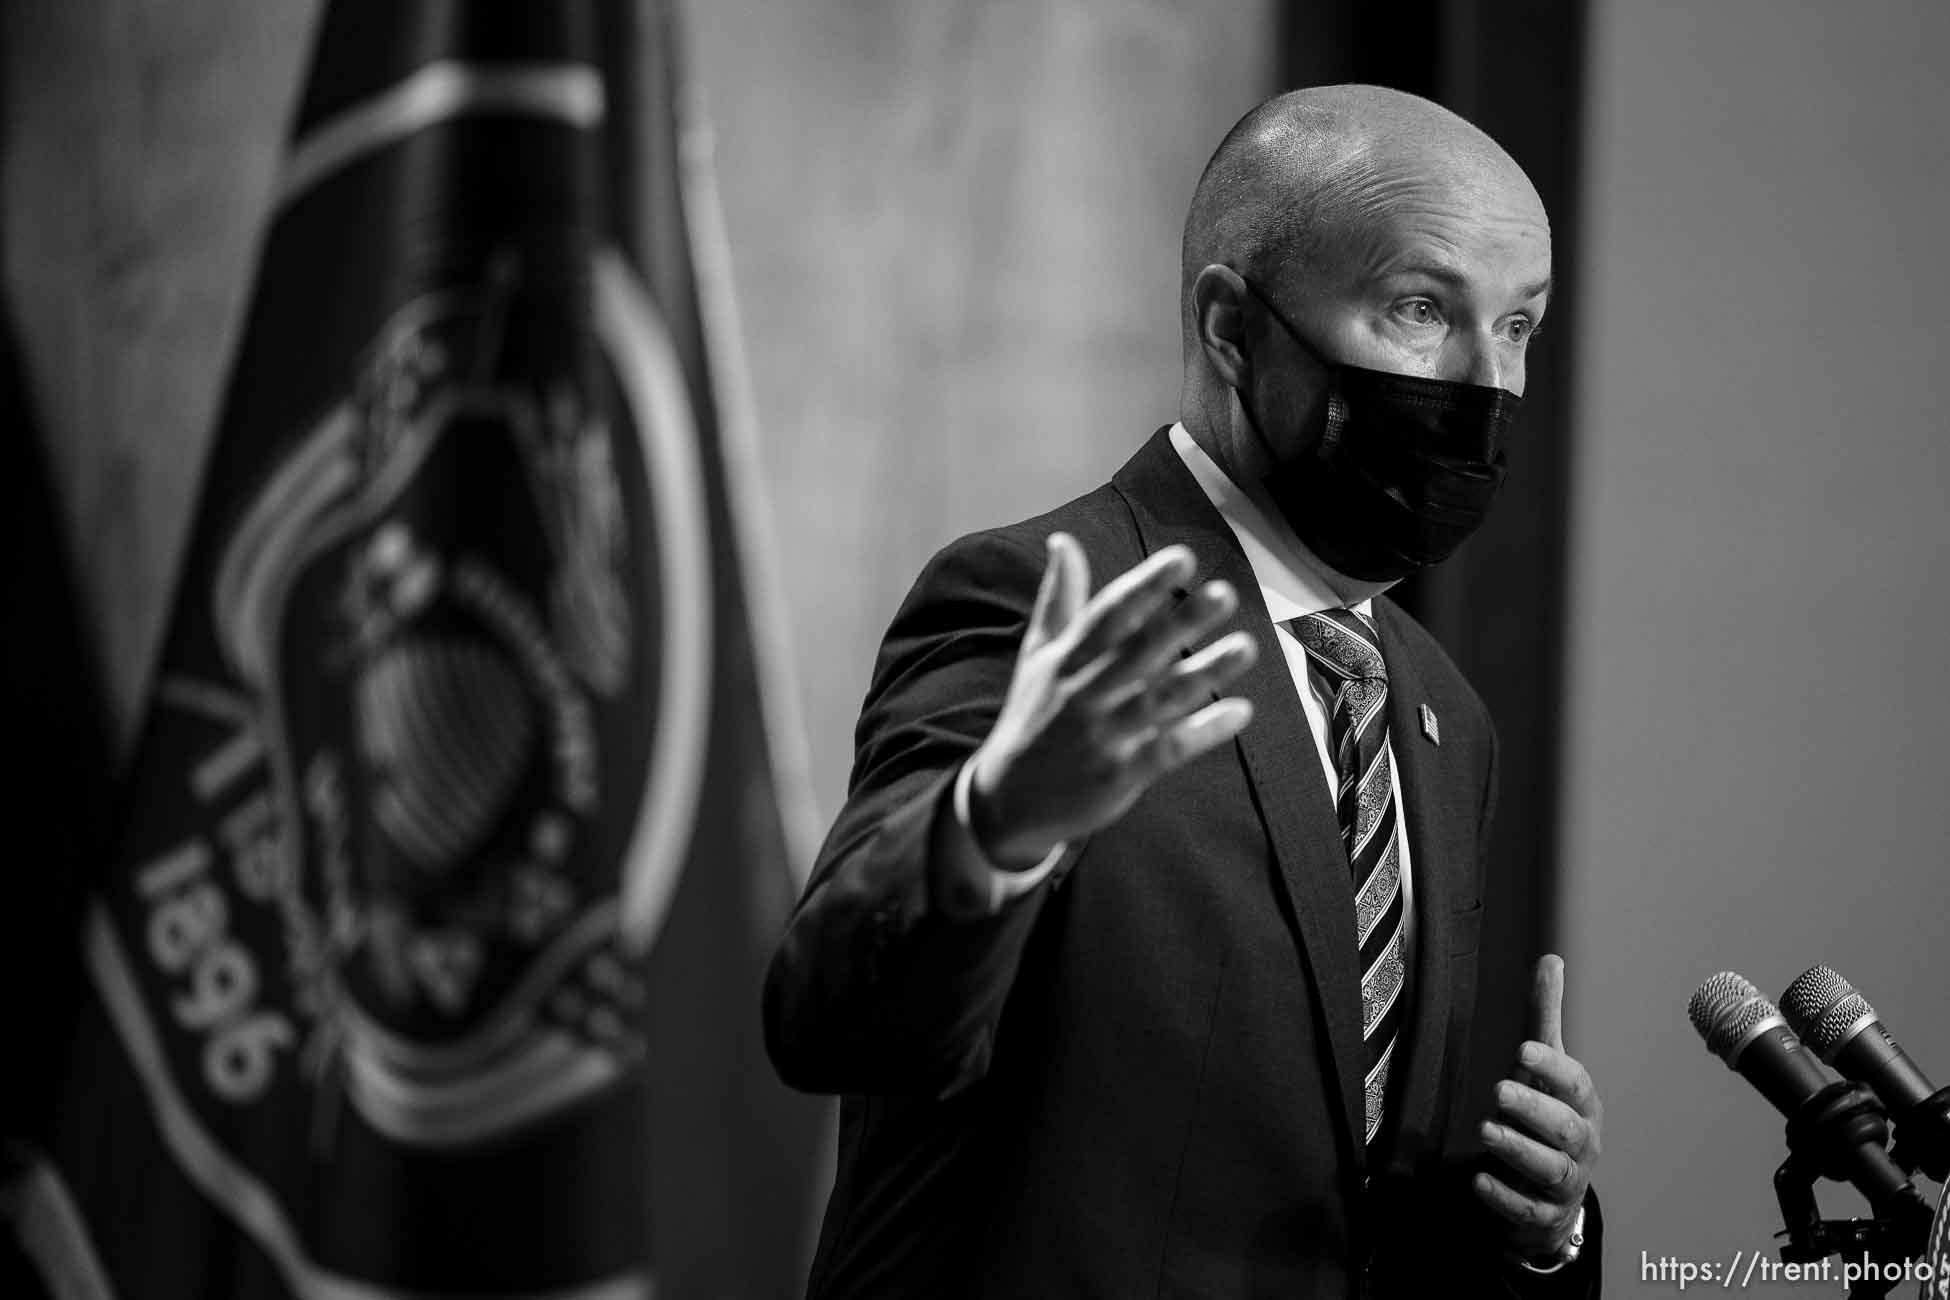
1708, 627
1758, 737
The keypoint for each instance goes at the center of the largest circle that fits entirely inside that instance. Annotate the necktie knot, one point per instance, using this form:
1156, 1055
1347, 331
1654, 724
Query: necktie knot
1343, 642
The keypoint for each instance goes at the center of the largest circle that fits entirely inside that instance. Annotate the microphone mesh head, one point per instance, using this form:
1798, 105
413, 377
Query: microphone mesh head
1828, 1033
1727, 1011
1739, 1023
1715, 997
1810, 996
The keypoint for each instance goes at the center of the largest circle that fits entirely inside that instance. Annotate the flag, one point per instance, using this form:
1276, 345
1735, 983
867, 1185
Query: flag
427, 959
741, 1177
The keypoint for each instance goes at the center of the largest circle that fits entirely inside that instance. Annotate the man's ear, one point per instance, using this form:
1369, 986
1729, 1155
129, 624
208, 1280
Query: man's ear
1219, 315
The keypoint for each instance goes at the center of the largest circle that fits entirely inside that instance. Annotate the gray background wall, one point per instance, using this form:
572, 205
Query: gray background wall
1758, 732
956, 232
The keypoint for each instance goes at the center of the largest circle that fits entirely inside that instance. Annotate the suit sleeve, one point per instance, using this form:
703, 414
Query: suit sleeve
1581, 1279
1456, 1237
875, 987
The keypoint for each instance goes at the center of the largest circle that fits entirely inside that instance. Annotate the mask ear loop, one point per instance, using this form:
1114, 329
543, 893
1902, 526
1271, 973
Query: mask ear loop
1259, 435
1326, 447
1252, 421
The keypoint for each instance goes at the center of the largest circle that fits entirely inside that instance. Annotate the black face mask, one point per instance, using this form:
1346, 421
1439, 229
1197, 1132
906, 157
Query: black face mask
1402, 474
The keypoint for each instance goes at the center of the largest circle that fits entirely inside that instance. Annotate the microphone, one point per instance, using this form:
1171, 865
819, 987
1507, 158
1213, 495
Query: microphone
1844, 1030
1746, 1031
1749, 1033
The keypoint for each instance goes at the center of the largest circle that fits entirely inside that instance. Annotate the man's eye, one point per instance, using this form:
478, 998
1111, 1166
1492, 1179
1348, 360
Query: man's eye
1522, 329
1418, 311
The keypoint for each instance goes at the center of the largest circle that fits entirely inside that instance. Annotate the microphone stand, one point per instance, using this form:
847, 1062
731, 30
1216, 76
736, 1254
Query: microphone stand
1923, 1137
1841, 1118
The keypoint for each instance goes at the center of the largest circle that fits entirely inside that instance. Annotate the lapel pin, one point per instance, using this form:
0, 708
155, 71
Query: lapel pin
1430, 727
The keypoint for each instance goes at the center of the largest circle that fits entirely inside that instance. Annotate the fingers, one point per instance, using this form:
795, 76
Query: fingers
1550, 1114
1042, 616
1187, 685
1547, 1001
1544, 1117
1076, 581
1126, 603
1065, 589
1552, 1171
1529, 1212
1164, 636
1560, 1075
1213, 725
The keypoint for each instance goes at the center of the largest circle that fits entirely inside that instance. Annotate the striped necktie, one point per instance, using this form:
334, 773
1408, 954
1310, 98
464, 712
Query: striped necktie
1344, 655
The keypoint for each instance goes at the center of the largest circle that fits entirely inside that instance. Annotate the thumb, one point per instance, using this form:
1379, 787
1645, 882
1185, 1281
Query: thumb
1547, 1001
1065, 588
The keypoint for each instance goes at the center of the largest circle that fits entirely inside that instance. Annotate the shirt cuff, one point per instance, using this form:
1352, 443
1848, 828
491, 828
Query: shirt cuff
996, 885
1576, 1245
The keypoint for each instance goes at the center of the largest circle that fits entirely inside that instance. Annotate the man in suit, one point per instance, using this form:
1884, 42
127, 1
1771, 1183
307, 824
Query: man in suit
1136, 987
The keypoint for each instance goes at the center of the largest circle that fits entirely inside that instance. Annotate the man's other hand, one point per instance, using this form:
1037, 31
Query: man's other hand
1101, 704
1545, 1131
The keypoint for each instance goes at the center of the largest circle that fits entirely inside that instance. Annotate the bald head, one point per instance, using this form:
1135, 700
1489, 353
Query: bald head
1300, 178
1350, 226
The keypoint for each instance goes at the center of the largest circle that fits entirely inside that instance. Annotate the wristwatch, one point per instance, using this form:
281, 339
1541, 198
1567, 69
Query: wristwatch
1566, 1253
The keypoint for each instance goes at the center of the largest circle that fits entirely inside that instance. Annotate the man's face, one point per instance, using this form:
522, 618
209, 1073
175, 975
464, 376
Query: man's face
1443, 278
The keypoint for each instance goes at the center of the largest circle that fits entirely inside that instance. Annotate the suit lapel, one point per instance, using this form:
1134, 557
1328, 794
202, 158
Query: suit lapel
1432, 847
1279, 755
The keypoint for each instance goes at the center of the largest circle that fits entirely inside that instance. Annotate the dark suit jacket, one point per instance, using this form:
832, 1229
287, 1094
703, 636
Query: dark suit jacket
1144, 1078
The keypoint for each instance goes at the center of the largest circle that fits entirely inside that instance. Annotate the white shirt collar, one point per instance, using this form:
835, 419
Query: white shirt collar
1291, 578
